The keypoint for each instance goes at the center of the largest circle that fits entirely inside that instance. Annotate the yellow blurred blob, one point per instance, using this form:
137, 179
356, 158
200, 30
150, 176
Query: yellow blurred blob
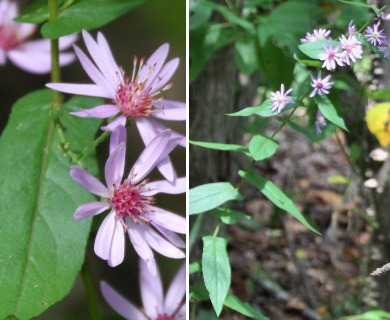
378, 122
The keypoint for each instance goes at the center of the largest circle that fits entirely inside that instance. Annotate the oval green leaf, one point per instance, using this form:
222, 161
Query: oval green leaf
216, 270
261, 147
42, 248
277, 196
329, 111
209, 196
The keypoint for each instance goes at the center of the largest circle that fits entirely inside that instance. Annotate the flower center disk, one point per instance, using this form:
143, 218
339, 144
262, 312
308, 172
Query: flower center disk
127, 200
133, 99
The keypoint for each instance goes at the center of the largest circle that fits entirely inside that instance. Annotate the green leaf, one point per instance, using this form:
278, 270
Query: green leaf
244, 308
87, 14
329, 111
220, 146
261, 147
277, 196
229, 216
209, 196
246, 55
313, 49
42, 247
338, 180
198, 292
264, 110
194, 267
370, 315
216, 270
37, 12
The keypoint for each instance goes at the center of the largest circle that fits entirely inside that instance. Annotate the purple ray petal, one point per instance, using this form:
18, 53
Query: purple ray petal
81, 89
94, 73
120, 121
100, 60
90, 209
153, 65
137, 238
168, 220
170, 236
161, 245
88, 181
117, 137
104, 235
34, 62
170, 110
176, 291
150, 156
165, 75
151, 291
162, 186
106, 52
123, 307
114, 167
117, 245
103, 111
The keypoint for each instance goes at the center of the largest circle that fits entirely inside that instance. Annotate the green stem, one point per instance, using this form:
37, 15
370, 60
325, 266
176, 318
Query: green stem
93, 303
55, 58
88, 149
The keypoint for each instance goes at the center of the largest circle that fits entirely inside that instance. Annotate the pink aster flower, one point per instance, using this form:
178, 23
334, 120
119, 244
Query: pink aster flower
318, 34
280, 99
352, 48
374, 35
320, 122
385, 49
321, 86
137, 97
155, 306
331, 57
131, 203
31, 56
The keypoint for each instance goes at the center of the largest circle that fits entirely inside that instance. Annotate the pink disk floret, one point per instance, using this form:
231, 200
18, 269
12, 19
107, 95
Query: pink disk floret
280, 99
331, 57
131, 203
32, 56
375, 35
156, 306
321, 86
352, 48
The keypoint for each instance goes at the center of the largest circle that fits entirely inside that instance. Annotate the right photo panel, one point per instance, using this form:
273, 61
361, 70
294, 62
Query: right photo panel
289, 167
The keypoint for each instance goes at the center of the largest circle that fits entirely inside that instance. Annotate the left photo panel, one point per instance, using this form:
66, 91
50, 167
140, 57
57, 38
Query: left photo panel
93, 159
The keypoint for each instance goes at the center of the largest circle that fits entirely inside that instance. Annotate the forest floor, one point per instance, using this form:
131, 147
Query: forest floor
286, 270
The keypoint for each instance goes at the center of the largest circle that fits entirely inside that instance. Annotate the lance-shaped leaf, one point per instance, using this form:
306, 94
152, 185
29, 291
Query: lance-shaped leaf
216, 270
220, 146
313, 49
42, 247
209, 196
244, 308
277, 196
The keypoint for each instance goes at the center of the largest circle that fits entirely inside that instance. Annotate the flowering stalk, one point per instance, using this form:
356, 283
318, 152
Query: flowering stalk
55, 74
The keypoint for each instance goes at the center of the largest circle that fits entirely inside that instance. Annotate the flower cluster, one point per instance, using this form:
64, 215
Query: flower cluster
130, 200
31, 56
342, 52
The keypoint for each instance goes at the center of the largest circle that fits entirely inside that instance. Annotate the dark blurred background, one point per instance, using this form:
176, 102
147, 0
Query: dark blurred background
139, 32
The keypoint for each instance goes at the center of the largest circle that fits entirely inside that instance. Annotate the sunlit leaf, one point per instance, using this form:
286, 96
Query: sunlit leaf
244, 308
261, 147
220, 146
329, 111
216, 270
209, 196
